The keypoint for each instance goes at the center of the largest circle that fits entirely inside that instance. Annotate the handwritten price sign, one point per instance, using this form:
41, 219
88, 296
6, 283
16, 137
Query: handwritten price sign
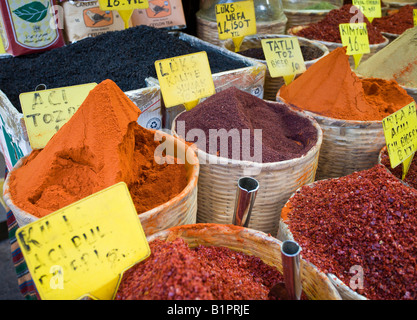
400, 130
236, 20
370, 8
46, 111
355, 37
83, 248
106, 5
283, 57
185, 79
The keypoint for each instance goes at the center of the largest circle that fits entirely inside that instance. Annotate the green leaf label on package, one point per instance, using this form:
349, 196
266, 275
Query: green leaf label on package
32, 12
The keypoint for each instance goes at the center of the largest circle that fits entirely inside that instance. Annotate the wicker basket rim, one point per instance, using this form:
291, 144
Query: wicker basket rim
269, 165
244, 232
315, 43
338, 122
145, 215
328, 43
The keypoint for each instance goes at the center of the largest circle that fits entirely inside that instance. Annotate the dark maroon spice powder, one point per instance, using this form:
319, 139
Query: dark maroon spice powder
176, 272
327, 29
367, 219
285, 134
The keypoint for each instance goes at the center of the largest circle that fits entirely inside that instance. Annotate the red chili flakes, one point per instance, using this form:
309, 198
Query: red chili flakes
396, 23
176, 272
366, 219
411, 176
327, 29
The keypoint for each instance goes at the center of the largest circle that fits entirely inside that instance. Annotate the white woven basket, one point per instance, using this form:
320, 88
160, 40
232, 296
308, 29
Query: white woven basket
272, 85
181, 209
315, 284
218, 178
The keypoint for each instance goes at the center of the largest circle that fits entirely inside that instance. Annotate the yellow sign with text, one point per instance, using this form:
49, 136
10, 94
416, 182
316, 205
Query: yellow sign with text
83, 248
185, 79
400, 130
236, 20
46, 111
283, 57
355, 38
415, 17
370, 8
107, 5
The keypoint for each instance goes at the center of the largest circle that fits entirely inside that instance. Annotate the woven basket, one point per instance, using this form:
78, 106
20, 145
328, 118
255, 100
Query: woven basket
348, 145
334, 45
272, 85
304, 17
345, 292
182, 209
207, 29
315, 284
218, 178
383, 150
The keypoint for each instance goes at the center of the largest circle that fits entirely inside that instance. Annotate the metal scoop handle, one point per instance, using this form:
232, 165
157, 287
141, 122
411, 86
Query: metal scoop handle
245, 198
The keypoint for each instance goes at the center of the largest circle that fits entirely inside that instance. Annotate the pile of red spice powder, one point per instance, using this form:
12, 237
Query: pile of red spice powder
411, 176
285, 134
327, 29
173, 271
366, 219
102, 144
397, 22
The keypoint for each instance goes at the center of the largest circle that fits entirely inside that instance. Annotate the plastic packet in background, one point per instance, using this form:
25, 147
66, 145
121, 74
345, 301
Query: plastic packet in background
85, 19
168, 14
30, 26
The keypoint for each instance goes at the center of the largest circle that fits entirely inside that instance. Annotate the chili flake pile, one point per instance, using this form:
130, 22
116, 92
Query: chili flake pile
175, 272
366, 219
327, 29
410, 178
396, 23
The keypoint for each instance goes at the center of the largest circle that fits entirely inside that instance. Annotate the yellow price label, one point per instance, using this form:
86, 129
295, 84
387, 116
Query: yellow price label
185, 79
415, 17
46, 111
82, 249
400, 130
355, 38
370, 8
107, 5
283, 57
235, 20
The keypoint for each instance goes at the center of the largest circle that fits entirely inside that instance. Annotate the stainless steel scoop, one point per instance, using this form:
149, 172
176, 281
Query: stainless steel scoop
291, 288
247, 189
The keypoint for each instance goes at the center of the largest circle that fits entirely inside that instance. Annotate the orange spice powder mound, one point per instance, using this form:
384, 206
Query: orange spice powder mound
102, 144
330, 88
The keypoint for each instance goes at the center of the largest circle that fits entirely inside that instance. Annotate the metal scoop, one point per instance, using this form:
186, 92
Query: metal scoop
247, 188
291, 288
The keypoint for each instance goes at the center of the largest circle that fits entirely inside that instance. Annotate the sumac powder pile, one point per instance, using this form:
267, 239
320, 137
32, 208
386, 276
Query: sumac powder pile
127, 57
327, 29
175, 272
411, 176
396, 23
285, 134
367, 219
